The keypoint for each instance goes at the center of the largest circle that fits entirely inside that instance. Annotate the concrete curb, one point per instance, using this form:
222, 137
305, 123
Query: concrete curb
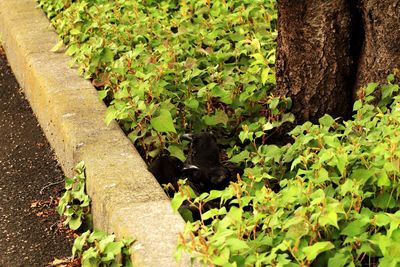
126, 199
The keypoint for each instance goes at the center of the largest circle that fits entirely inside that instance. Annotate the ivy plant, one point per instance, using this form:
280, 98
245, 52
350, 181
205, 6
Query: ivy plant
99, 249
94, 248
169, 67
331, 198
74, 205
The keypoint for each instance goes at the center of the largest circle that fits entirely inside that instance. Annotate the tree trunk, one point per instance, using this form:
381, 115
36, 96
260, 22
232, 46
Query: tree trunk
314, 62
380, 52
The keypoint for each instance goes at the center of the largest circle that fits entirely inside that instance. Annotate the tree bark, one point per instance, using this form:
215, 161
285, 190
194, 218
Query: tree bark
314, 62
380, 52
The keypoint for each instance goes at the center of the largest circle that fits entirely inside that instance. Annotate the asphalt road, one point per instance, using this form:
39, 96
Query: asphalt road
30, 232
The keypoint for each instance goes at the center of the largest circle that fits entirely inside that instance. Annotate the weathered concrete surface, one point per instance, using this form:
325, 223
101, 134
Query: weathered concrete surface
126, 199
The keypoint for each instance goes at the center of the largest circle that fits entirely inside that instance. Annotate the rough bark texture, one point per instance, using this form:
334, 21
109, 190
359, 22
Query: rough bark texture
380, 52
314, 62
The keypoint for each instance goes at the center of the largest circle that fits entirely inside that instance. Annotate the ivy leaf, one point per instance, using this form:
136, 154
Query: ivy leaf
163, 123
102, 94
355, 228
341, 162
383, 179
176, 152
186, 214
223, 258
357, 105
371, 88
107, 55
313, 251
75, 223
58, 46
384, 200
79, 243
264, 75
236, 245
105, 242
362, 175
242, 156
382, 219
96, 235
338, 260
177, 201
330, 218
113, 248
219, 117
75, 32
326, 120
111, 114
192, 103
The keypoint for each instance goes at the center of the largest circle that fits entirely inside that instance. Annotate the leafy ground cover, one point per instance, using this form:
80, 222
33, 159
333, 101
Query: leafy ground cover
329, 199
169, 67
92, 247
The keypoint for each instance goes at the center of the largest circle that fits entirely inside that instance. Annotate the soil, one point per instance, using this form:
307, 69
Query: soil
30, 231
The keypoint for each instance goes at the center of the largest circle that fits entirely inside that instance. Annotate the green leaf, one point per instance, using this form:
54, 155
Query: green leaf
236, 245
164, 122
222, 258
241, 157
268, 126
388, 261
186, 214
264, 75
323, 175
313, 251
209, 214
224, 95
341, 162
192, 103
79, 242
104, 242
371, 88
297, 228
113, 248
96, 235
383, 179
384, 200
177, 201
355, 228
75, 222
75, 32
107, 55
357, 105
362, 175
176, 152
219, 117
382, 219
326, 121
90, 258
58, 46
111, 114
235, 214
339, 260
329, 218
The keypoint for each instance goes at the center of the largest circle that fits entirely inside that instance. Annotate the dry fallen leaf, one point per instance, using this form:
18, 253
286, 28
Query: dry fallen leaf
34, 204
59, 262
